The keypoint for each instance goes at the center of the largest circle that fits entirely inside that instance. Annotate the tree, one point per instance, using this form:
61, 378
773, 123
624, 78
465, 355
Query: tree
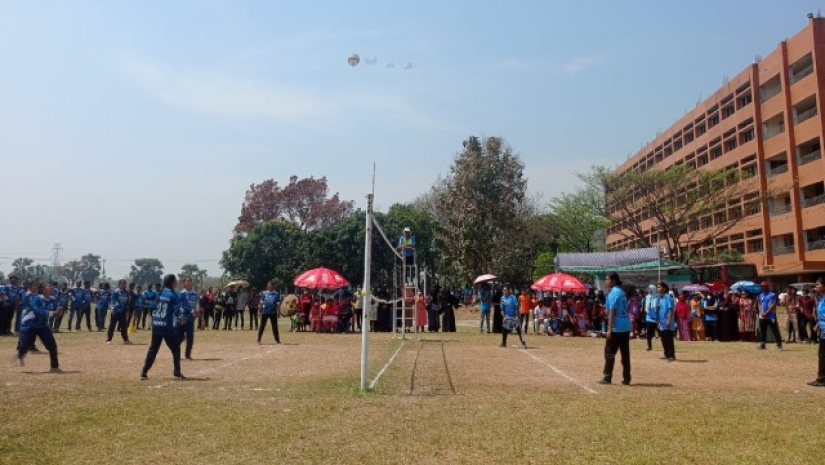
682, 206
146, 271
544, 265
274, 250
302, 202
21, 267
195, 272
479, 206
575, 219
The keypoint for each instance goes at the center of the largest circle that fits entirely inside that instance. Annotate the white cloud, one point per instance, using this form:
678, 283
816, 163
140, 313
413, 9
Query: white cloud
582, 63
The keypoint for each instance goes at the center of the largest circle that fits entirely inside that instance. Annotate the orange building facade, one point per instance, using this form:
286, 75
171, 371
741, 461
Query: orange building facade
765, 121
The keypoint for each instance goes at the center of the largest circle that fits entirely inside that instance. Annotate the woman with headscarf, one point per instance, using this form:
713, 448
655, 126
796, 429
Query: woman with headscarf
448, 304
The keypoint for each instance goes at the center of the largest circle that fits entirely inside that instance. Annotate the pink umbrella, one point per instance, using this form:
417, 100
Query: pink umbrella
559, 282
321, 278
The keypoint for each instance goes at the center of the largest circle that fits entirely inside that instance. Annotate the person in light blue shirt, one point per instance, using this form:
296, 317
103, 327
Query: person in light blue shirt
666, 311
618, 330
767, 316
485, 300
120, 317
34, 323
710, 306
651, 317
509, 311
820, 322
189, 311
268, 310
165, 319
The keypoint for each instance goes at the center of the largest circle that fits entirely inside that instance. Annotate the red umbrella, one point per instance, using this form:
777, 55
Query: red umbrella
559, 282
321, 278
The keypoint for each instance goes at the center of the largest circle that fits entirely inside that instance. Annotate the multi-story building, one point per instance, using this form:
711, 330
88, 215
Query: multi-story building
765, 121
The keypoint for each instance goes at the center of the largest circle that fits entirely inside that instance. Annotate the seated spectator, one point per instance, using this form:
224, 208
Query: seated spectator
567, 328
315, 317
581, 320
345, 315
551, 323
330, 318
539, 314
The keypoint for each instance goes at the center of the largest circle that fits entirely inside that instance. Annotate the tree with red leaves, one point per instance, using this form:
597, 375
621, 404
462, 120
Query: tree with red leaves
303, 202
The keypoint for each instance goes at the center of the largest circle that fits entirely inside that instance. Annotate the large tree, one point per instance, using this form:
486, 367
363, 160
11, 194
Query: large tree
146, 271
304, 202
482, 206
685, 207
575, 218
195, 272
274, 250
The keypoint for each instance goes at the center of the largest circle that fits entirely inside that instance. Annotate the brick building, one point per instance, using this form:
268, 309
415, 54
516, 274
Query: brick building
765, 121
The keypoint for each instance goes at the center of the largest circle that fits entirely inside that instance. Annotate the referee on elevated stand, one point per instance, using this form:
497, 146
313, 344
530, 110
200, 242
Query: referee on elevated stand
618, 331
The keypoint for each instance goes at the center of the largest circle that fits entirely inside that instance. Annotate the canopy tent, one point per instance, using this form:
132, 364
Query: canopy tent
647, 259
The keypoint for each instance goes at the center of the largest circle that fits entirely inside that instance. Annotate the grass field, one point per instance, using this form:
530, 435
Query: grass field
449, 398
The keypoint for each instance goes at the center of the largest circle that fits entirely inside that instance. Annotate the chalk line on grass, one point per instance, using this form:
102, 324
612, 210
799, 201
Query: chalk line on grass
380, 373
223, 366
560, 373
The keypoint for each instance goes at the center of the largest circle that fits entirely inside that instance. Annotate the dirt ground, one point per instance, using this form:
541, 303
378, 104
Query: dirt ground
436, 398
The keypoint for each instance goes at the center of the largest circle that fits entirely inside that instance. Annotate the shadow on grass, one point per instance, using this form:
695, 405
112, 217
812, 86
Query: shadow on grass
192, 378
50, 373
652, 385
681, 360
205, 360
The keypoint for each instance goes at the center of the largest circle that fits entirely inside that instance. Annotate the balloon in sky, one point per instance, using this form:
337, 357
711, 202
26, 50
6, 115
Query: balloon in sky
354, 59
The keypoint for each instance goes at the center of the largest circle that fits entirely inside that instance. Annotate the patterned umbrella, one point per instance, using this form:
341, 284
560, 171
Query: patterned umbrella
484, 278
749, 286
559, 282
321, 278
695, 288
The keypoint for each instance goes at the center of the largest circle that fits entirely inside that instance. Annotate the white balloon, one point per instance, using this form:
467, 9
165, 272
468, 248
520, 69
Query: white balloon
354, 59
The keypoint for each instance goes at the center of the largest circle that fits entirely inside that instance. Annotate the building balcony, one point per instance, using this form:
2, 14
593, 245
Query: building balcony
783, 250
816, 200
815, 245
780, 210
805, 115
810, 157
777, 170
772, 131
802, 73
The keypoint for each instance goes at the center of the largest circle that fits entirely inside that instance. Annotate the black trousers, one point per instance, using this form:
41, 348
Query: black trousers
87, 312
764, 324
274, 319
618, 342
803, 327
239, 314
6, 315
171, 340
228, 315
821, 375
118, 318
667, 343
27, 338
253, 319
505, 332
218, 317
650, 330
186, 332
711, 327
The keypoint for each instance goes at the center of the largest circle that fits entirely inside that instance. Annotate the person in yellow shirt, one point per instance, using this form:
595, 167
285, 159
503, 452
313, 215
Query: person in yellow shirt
524, 306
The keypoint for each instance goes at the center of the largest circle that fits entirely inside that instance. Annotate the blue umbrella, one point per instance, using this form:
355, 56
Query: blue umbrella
749, 286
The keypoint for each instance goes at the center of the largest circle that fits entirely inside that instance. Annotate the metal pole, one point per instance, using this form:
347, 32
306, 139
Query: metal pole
367, 295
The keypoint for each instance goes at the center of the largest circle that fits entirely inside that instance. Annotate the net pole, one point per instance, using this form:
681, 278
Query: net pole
366, 294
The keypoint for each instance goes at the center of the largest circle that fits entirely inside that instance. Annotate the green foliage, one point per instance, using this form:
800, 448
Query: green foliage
146, 271
576, 218
482, 207
544, 265
275, 250
25, 269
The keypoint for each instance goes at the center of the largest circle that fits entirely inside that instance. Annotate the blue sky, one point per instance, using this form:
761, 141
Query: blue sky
132, 129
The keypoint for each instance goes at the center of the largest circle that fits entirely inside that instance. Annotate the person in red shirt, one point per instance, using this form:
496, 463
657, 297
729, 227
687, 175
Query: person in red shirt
683, 317
806, 317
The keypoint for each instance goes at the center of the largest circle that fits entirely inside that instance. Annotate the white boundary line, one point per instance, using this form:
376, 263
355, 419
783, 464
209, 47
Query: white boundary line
560, 373
380, 373
220, 367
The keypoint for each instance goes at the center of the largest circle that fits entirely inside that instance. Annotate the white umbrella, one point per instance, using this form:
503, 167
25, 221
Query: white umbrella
484, 278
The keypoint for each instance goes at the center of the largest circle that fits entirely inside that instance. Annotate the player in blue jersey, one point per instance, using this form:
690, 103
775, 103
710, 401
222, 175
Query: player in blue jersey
150, 302
269, 311
138, 312
34, 323
120, 307
618, 330
189, 311
165, 320
76, 304
104, 299
14, 299
62, 297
